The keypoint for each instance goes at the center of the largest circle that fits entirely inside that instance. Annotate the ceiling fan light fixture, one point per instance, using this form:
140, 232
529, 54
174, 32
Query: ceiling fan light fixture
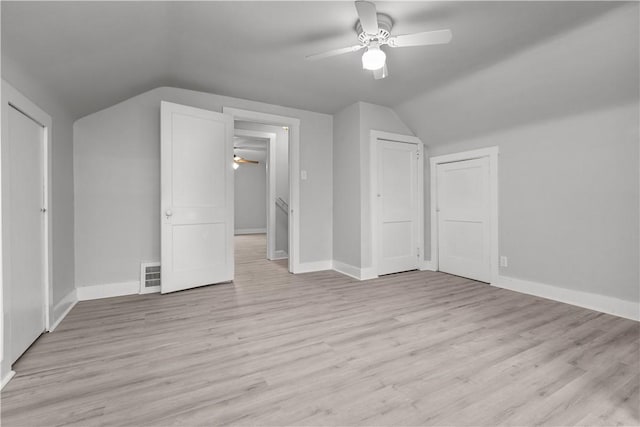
374, 58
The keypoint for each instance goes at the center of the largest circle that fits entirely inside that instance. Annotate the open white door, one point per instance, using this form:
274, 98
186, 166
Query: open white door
197, 197
23, 216
398, 209
464, 241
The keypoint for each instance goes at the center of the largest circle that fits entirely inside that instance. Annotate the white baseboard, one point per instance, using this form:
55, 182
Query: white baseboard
427, 265
605, 304
309, 267
353, 271
149, 290
86, 293
63, 308
251, 231
280, 255
368, 273
346, 269
6, 379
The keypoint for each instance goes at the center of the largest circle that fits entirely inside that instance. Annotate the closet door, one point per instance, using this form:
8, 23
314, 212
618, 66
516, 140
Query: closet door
464, 219
23, 230
397, 207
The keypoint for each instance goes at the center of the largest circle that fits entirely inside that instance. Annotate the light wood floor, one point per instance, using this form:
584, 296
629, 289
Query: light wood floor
418, 348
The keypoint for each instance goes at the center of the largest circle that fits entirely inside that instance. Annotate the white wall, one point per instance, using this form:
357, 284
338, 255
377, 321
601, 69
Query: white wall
568, 200
250, 190
565, 117
346, 186
61, 202
352, 210
117, 182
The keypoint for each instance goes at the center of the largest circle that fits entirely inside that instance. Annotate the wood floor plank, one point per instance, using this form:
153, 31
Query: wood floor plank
274, 349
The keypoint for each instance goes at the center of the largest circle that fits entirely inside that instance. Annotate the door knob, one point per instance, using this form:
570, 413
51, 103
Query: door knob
168, 213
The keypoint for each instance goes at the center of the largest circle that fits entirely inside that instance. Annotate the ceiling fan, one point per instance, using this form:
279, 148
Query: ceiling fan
237, 160
374, 31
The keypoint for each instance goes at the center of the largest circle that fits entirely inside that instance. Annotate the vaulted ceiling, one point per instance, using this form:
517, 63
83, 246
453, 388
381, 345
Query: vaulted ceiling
91, 55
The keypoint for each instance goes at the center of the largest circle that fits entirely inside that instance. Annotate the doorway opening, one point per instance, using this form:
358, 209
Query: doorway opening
281, 185
261, 187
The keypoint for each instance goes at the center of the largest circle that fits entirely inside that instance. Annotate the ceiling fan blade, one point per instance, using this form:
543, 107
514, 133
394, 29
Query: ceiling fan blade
334, 52
381, 73
368, 17
249, 148
241, 160
421, 39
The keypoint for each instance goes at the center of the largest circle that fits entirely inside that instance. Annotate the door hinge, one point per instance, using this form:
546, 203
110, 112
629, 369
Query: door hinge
418, 154
418, 251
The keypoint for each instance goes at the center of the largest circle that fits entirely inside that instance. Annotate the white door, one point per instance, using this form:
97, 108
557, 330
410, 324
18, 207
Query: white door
463, 218
24, 230
197, 197
397, 207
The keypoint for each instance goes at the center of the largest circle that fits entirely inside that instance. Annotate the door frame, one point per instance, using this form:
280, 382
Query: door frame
376, 136
294, 172
271, 185
492, 154
12, 98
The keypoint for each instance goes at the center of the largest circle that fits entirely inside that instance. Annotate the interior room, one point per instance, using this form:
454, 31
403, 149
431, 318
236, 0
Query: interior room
320, 213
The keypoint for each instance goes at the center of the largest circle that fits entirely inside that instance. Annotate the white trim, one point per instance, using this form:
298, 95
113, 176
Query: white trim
310, 267
12, 98
604, 304
368, 273
86, 293
295, 266
354, 272
251, 231
427, 265
7, 378
375, 136
492, 154
63, 307
346, 269
270, 230
279, 254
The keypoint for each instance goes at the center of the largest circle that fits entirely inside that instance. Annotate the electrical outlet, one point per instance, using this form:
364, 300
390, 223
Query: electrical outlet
504, 262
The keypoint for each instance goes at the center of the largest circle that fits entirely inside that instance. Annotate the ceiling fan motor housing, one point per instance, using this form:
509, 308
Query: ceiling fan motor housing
384, 30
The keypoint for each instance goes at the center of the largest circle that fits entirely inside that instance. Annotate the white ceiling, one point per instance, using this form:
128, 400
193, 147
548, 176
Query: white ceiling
95, 54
